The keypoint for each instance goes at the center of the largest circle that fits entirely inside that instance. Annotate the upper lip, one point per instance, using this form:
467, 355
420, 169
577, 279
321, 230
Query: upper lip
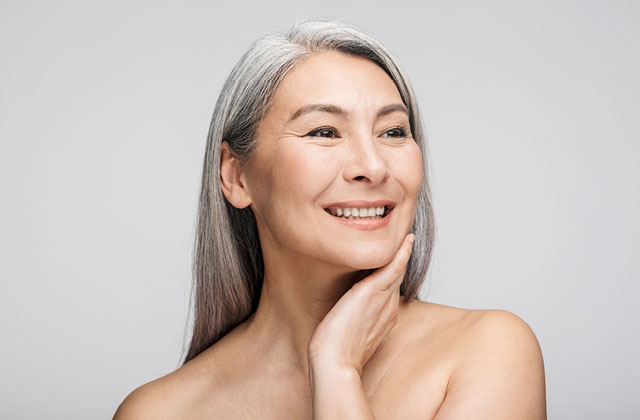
358, 204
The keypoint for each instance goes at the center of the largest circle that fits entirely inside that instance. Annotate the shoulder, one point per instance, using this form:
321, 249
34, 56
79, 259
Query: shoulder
503, 339
505, 329
201, 388
147, 401
173, 396
497, 368
473, 328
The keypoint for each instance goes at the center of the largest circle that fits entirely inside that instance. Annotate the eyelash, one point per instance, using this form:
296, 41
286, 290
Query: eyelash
402, 129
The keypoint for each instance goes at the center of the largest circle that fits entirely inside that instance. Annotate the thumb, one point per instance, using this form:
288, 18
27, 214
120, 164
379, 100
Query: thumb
385, 276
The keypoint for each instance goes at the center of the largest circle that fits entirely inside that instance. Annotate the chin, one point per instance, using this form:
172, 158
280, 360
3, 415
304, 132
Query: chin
368, 258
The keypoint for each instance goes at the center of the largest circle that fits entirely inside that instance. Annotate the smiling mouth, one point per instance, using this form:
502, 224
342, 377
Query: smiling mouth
355, 213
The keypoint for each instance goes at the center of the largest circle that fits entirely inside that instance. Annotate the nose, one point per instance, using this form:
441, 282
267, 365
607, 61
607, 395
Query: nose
365, 163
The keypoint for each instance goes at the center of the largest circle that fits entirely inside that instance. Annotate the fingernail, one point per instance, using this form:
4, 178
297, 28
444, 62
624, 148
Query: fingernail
412, 237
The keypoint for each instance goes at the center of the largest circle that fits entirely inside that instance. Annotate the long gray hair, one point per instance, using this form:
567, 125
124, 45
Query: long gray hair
227, 259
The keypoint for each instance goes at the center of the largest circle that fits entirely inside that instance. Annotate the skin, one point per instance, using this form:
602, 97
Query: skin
331, 337
311, 260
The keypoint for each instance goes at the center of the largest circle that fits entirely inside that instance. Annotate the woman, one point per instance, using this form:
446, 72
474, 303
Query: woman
306, 274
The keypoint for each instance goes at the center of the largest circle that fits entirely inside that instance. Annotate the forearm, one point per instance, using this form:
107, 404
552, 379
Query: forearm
337, 393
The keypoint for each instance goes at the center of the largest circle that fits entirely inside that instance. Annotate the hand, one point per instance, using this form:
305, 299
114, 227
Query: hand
363, 317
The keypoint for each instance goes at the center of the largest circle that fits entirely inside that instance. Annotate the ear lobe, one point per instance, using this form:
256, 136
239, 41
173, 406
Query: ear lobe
230, 171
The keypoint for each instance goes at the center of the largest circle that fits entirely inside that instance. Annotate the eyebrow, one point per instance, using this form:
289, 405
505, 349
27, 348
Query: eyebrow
336, 110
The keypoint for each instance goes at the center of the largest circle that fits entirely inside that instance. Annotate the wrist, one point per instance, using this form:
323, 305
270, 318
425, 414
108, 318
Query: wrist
337, 391
330, 376
332, 367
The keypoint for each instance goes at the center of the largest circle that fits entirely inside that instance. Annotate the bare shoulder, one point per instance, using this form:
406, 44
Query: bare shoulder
473, 327
497, 368
163, 398
177, 395
431, 322
205, 387
148, 401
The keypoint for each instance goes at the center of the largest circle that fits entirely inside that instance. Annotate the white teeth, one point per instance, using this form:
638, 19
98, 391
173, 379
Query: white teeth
355, 213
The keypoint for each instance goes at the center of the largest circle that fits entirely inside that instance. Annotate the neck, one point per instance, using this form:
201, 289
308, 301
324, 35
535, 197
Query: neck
295, 298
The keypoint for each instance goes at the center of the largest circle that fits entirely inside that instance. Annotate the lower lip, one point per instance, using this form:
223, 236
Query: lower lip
364, 224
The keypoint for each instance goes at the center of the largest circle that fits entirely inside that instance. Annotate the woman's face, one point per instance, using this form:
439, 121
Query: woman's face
351, 155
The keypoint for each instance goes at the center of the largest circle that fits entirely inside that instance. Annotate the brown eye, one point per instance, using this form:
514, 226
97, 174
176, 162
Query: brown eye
398, 132
326, 132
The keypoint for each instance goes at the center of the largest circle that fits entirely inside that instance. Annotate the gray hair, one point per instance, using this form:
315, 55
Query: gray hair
227, 260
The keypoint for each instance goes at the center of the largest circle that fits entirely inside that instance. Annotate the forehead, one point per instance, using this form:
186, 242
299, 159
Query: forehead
351, 82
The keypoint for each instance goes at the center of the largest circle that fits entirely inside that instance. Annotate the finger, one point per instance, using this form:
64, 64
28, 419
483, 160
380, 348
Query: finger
392, 303
385, 276
390, 312
398, 281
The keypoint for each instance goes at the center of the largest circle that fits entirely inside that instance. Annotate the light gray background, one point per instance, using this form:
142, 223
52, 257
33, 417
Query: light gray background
531, 110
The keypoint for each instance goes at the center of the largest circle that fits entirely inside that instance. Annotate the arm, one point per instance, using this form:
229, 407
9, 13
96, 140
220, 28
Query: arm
501, 375
337, 393
348, 336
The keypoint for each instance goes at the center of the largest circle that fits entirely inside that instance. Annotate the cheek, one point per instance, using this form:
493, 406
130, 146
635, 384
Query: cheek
300, 173
288, 184
407, 168
297, 178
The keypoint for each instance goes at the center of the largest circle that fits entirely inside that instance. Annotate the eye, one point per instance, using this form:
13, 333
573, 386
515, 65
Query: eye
322, 131
398, 132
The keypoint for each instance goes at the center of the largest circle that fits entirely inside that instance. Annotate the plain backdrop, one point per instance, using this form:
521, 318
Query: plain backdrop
532, 117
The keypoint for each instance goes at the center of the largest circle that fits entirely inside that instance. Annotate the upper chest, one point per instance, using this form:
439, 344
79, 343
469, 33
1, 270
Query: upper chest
405, 393
406, 384
410, 384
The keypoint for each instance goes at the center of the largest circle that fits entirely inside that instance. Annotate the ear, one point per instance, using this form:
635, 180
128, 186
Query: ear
232, 186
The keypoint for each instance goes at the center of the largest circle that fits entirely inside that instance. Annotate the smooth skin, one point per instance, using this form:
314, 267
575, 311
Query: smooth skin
331, 337
349, 335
